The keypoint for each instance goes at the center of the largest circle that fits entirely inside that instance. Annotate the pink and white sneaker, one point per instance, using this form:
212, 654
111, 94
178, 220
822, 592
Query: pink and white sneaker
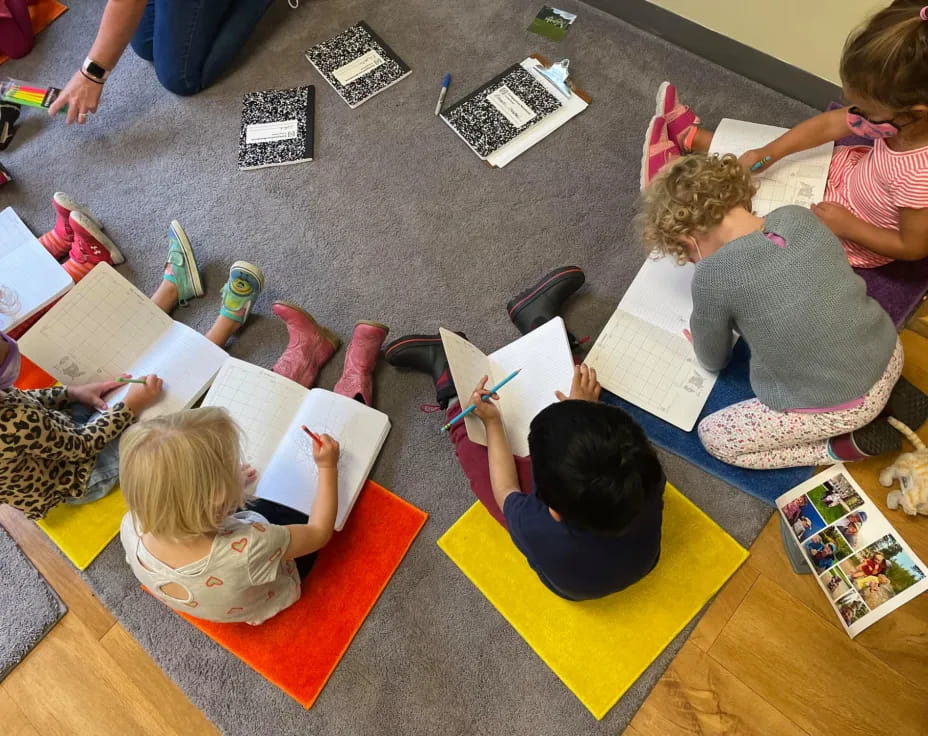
681, 120
658, 150
60, 238
89, 248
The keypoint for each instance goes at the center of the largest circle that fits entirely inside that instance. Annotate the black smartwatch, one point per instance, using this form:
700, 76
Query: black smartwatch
93, 71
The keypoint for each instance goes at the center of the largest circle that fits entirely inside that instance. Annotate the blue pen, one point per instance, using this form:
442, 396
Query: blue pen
486, 397
444, 91
762, 163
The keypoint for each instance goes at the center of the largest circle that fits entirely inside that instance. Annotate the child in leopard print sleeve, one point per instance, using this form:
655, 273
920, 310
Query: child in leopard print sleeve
50, 448
54, 446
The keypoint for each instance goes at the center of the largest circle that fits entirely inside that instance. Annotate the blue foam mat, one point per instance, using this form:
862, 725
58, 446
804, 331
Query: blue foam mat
732, 386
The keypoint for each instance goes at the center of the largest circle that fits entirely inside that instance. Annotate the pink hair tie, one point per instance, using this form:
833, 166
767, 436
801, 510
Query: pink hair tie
923, 13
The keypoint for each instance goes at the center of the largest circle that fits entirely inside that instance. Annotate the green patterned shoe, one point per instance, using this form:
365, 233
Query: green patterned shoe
244, 285
181, 268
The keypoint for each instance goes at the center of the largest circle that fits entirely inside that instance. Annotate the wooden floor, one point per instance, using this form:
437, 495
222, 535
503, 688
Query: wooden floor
88, 677
768, 658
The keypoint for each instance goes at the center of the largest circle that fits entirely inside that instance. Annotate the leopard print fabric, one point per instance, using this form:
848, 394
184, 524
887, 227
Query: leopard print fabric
45, 456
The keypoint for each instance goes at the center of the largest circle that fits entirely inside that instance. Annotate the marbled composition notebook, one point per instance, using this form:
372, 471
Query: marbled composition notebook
500, 110
358, 64
512, 112
277, 127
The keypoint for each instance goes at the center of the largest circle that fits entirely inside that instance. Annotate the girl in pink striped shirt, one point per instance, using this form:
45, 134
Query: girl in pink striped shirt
876, 200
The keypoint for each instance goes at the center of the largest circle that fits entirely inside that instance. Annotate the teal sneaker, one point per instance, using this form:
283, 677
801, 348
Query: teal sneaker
244, 285
181, 268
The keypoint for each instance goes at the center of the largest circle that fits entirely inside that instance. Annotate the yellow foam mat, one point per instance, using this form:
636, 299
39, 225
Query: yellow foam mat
599, 648
81, 532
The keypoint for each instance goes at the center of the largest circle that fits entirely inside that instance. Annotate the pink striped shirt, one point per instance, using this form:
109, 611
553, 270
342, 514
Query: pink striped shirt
874, 184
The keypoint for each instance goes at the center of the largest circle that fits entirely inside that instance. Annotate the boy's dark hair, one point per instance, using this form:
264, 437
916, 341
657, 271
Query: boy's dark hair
592, 464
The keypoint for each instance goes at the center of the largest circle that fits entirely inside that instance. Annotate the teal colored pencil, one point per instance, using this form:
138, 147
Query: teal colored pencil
130, 380
486, 397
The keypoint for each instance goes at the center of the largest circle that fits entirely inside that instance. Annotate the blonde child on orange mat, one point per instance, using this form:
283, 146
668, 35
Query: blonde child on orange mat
189, 537
876, 199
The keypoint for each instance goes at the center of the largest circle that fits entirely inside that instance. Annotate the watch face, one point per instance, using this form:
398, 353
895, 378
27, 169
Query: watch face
95, 70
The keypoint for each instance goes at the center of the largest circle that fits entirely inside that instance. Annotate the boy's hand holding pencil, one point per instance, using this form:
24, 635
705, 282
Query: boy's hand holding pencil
480, 401
486, 410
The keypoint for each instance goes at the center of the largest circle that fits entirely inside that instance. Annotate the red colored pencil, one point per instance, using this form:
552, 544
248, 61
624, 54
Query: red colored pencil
316, 438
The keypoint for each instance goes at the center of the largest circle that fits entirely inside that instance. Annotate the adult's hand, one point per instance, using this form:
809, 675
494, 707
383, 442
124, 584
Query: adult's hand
81, 96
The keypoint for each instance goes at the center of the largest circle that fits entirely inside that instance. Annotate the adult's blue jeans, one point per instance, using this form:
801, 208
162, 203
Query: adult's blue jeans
191, 42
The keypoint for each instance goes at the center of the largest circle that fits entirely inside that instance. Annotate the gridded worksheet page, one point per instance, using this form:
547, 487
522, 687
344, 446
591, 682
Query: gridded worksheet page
797, 179
262, 403
651, 368
105, 327
97, 331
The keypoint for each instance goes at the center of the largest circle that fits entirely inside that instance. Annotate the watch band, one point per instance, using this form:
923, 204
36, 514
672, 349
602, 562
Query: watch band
94, 71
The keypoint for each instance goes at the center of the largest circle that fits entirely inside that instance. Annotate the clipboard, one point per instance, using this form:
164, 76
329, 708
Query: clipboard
528, 137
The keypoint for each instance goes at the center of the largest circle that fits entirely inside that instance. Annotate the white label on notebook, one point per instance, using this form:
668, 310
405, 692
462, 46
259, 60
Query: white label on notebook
510, 106
281, 130
358, 68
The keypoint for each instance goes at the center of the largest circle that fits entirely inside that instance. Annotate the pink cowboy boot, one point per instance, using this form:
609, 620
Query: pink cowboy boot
363, 350
309, 348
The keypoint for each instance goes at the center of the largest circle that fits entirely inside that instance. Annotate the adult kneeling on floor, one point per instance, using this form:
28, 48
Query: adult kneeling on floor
190, 43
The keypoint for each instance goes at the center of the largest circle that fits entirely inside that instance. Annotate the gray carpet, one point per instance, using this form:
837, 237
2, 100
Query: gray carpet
396, 221
29, 607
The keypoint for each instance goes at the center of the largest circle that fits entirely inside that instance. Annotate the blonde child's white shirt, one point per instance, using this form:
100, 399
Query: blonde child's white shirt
243, 578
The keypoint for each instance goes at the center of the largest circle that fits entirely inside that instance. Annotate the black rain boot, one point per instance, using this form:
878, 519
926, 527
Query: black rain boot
907, 404
870, 440
543, 300
425, 354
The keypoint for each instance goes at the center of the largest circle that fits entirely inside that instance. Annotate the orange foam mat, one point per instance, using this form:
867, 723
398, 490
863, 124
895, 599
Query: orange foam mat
31, 376
42, 14
299, 649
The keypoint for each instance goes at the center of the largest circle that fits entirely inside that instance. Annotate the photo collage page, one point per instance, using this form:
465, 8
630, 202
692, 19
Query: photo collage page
862, 564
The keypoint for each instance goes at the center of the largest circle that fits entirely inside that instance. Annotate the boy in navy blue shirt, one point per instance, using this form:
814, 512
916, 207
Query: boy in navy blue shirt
586, 507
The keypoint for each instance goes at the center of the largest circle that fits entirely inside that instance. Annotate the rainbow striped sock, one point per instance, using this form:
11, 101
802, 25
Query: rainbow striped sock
76, 270
55, 244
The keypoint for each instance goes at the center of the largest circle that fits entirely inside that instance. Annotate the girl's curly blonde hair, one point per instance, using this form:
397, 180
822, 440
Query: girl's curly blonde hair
689, 197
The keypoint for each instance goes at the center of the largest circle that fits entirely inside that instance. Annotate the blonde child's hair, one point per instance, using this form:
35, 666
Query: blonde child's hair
180, 473
886, 59
690, 197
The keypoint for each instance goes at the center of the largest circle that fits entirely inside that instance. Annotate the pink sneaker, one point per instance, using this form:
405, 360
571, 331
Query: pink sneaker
681, 120
658, 151
60, 238
89, 248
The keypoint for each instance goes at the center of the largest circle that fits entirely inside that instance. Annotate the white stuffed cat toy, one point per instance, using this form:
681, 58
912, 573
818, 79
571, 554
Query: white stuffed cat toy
911, 468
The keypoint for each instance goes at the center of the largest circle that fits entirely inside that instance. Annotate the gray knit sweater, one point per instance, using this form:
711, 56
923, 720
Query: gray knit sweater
817, 340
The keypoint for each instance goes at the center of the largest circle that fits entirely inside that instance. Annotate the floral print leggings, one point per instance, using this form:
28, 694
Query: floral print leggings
751, 435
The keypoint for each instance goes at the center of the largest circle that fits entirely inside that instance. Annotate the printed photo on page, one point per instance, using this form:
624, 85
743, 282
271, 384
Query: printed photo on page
862, 564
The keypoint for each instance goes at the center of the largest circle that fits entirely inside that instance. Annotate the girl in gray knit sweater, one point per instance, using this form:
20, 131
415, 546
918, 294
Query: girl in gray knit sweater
825, 357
